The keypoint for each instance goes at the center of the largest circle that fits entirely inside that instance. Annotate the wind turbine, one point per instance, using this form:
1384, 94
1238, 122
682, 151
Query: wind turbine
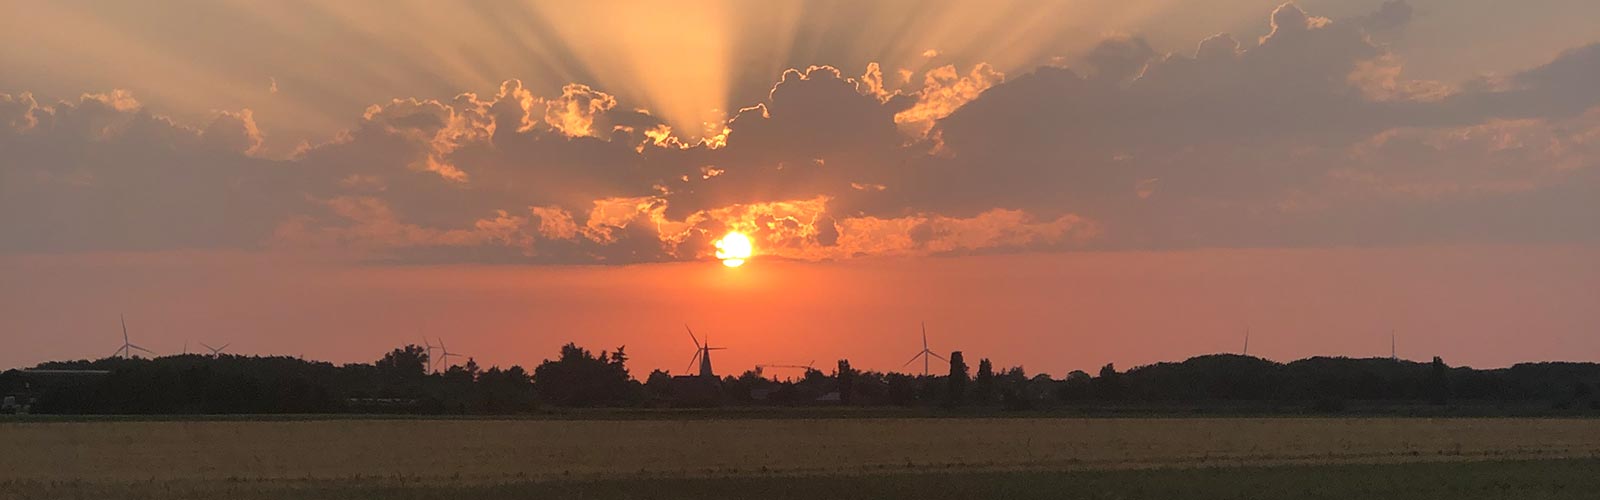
1393, 355
126, 351
925, 352
444, 353
431, 348
702, 353
215, 351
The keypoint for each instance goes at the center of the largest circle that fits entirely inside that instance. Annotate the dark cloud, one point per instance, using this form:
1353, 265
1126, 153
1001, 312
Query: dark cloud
1307, 135
1389, 20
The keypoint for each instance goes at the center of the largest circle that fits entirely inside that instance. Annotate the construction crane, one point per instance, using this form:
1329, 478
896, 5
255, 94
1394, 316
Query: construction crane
762, 368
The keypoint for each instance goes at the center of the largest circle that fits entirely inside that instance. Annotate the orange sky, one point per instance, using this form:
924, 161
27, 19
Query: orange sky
1052, 183
1483, 306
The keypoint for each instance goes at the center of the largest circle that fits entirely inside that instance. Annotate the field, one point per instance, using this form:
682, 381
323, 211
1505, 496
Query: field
792, 458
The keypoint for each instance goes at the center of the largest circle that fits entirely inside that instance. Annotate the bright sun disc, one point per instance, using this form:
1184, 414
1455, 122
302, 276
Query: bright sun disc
733, 249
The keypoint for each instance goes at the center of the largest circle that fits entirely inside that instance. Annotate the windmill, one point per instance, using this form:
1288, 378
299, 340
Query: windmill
127, 347
924, 353
702, 353
444, 352
215, 351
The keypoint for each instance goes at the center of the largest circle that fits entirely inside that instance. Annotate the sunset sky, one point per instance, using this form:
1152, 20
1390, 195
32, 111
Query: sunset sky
1052, 184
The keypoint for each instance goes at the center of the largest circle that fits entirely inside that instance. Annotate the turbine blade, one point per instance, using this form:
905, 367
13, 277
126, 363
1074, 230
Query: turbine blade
124, 328
924, 335
913, 359
691, 336
207, 346
141, 348
936, 355
224, 346
692, 359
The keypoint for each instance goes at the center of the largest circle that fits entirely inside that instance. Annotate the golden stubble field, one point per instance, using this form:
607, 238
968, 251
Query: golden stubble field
501, 450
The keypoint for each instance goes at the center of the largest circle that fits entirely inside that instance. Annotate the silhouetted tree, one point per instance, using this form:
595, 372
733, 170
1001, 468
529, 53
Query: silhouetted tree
506, 391
402, 370
957, 382
902, 389
1076, 387
659, 385
847, 381
1108, 386
983, 383
1013, 387
397, 383
578, 378
1438, 388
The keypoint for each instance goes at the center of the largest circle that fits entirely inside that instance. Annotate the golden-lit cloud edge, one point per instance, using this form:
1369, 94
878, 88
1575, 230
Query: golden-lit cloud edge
1311, 136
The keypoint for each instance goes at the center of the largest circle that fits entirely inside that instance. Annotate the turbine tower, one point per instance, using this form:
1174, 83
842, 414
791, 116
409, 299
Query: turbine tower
1247, 341
430, 348
126, 351
1393, 355
702, 353
925, 352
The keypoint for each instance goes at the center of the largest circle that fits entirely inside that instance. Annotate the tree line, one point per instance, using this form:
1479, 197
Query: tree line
400, 382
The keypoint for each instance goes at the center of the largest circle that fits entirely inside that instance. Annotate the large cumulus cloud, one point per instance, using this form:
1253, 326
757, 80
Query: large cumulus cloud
1308, 134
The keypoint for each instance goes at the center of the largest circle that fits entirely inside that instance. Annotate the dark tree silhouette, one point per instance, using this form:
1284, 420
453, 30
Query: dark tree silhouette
578, 378
397, 383
1109, 386
402, 371
983, 383
956, 384
847, 381
1438, 382
1078, 386
902, 389
659, 384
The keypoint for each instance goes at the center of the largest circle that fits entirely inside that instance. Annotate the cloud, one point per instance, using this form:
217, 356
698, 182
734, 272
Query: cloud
1388, 20
943, 92
234, 132
1310, 134
574, 112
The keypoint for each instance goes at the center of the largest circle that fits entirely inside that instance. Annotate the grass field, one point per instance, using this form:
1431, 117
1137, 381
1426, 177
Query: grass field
700, 458
1569, 479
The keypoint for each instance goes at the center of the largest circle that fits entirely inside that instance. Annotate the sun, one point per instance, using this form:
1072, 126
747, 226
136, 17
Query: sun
734, 249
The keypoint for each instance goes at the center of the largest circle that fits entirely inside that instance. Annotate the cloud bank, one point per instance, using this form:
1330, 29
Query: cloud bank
1309, 135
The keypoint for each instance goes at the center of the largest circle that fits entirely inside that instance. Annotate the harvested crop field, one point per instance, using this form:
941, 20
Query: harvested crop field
492, 451
1559, 479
